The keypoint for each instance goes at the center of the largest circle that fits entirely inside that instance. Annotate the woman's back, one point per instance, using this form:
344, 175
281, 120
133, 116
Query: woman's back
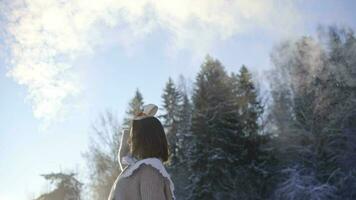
145, 177
142, 183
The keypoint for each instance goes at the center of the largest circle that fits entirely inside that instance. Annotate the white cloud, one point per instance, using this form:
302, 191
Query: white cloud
47, 35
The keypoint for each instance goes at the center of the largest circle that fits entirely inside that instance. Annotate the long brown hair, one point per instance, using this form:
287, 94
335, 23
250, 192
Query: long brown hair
148, 139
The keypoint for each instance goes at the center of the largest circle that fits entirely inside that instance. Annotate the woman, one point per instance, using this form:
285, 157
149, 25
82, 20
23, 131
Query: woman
143, 175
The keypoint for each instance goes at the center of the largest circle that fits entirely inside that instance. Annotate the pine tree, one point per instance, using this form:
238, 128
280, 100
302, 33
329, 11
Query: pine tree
184, 135
247, 141
171, 117
250, 109
135, 106
212, 159
184, 141
184, 128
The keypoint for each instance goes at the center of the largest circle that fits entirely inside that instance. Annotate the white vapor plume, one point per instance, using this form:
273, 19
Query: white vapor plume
46, 36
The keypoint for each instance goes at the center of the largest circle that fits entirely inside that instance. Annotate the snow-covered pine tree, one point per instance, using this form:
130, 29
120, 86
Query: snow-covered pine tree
212, 161
249, 111
171, 116
135, 105
249, 175
185, 121
181, 172
184, 128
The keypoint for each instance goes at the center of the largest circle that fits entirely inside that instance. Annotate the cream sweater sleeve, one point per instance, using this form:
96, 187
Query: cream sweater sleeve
153, 186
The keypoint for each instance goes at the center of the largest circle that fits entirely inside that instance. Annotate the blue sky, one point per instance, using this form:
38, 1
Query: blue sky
55, 84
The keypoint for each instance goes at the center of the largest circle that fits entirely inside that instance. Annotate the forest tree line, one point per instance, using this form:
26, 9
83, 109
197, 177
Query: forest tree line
230, 141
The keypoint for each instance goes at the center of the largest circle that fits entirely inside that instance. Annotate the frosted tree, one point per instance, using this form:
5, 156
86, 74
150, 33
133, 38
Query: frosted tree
340, 81
66, 187
102, 155
302, 184
300, 136
318, 76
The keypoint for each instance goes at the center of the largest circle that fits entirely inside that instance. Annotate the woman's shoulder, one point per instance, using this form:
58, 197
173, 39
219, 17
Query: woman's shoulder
149, 172
148, 166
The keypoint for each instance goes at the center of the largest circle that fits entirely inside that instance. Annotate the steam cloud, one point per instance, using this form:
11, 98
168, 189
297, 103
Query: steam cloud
46, 36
